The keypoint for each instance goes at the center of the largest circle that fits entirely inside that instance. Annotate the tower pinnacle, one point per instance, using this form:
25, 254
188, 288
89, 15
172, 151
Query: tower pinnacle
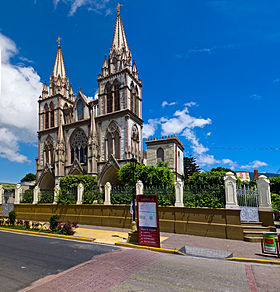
59, 68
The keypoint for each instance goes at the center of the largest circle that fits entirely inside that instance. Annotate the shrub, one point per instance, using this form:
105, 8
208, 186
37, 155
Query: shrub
27, 197
275, 199
46, 197
54, 222
20, 222
67, 228
90, 197
275, 184
12, 217
27, 224
29, 177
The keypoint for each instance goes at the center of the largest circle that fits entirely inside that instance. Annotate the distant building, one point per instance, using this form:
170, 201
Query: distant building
244, 176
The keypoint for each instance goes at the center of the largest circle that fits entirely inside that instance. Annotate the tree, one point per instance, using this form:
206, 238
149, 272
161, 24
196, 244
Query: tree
29, 177
190, 167
149, 175
219, 169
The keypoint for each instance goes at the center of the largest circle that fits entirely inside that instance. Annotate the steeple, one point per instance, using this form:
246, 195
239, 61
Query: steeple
59, 68
119, 39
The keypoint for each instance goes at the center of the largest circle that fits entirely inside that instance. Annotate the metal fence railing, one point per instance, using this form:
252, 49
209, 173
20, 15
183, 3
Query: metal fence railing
247, 196
166, 194
121, 195
46, 196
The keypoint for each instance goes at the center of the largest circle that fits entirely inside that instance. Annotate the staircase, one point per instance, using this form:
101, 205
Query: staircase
253, 231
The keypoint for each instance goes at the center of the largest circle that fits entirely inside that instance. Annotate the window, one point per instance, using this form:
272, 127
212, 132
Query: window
48, 151
46, 113
134, 141
109, 97
80, 110
78, 144
117, 95
112, 140
160, 155
52, 114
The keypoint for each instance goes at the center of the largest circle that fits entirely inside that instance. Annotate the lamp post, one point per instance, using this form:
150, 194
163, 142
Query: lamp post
133, 163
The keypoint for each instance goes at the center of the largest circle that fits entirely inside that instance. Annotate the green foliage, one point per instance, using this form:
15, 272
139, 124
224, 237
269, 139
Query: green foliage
27, 197
275, 184
29, 177
69, 184
92, 196
222, 169
166, 194
46, 197
205, 190
190, 167
275, 200
122, 198
12, 217
149, 175
54, 220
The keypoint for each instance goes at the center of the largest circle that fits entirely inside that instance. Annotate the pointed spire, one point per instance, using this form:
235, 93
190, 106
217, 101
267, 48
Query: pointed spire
119, 39
45, 88
59, 68
92, 124
105, 64
71, 93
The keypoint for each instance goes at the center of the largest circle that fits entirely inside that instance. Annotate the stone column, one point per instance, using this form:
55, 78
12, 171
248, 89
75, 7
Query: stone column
230, 191
18, 193
1, 194
108, 188
139, 188
264, 193
56, 193
36, 192
179, 194
80, 192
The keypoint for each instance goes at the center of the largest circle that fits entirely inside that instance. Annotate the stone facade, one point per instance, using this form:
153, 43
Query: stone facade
81, 136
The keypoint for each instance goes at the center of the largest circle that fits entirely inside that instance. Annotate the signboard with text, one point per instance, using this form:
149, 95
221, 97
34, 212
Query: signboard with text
148, 221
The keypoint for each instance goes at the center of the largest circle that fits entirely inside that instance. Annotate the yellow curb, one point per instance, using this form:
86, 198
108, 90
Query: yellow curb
48, 234
124, 244
260, 261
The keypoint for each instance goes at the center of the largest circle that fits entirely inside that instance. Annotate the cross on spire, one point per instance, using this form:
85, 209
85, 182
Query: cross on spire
58, 40
118, 7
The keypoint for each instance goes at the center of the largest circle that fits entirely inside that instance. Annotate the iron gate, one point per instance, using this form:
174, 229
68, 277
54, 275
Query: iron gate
7, 201
248, 200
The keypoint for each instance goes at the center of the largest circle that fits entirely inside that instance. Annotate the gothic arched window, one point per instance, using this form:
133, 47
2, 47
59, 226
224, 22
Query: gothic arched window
46, 114
80, 110
160, 155
52, 114
109, 97
136, 102
112, 140
117, 95
78, 143
132, 98
48, 151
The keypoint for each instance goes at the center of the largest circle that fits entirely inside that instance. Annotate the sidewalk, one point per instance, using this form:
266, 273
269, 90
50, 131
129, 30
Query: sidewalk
242, 249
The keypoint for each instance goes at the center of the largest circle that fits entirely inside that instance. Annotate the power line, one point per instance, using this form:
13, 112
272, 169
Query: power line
247, 148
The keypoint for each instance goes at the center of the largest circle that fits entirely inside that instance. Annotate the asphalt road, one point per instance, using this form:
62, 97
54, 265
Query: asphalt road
25, 259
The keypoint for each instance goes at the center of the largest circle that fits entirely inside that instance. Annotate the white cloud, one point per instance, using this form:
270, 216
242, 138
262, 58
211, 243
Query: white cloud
208, 134
256, 96
94, 5
20, 91
150, 128
254, 165
165, 103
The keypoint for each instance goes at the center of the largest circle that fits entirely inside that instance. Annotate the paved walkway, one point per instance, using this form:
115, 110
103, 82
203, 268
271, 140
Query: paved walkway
239, 248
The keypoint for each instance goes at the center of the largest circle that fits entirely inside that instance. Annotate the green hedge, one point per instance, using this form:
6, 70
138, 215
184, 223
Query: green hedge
27, 197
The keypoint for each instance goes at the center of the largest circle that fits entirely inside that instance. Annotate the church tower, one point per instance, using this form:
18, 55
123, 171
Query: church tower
51, 156
119, 121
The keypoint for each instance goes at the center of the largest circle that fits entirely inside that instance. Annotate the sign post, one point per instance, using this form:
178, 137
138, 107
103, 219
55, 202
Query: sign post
148, 221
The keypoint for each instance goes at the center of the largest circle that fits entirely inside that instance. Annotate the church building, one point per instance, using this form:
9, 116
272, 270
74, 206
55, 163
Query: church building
97, 137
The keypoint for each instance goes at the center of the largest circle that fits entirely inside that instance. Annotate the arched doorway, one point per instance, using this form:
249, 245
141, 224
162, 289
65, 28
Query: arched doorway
47, 182
109, 174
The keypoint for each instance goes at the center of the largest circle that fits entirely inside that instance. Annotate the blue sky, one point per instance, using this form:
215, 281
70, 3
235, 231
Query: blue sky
210, 72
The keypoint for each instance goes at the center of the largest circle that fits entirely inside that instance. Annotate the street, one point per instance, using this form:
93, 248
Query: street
47, 264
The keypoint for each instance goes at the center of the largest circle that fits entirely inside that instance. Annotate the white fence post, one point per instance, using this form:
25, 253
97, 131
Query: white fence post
36, 192
80, 192
264, 193
139, 188
108, 188
56, 193
1, 194
18, 193
179, 193
230, 191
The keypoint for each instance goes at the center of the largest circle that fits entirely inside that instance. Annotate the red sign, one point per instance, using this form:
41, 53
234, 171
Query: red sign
148, 221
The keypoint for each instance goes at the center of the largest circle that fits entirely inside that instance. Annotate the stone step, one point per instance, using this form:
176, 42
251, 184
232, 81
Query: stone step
256, 228
251, 223
252, 239
254, 233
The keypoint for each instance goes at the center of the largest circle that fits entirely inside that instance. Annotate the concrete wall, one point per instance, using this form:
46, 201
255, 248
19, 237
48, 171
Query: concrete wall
220, 223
